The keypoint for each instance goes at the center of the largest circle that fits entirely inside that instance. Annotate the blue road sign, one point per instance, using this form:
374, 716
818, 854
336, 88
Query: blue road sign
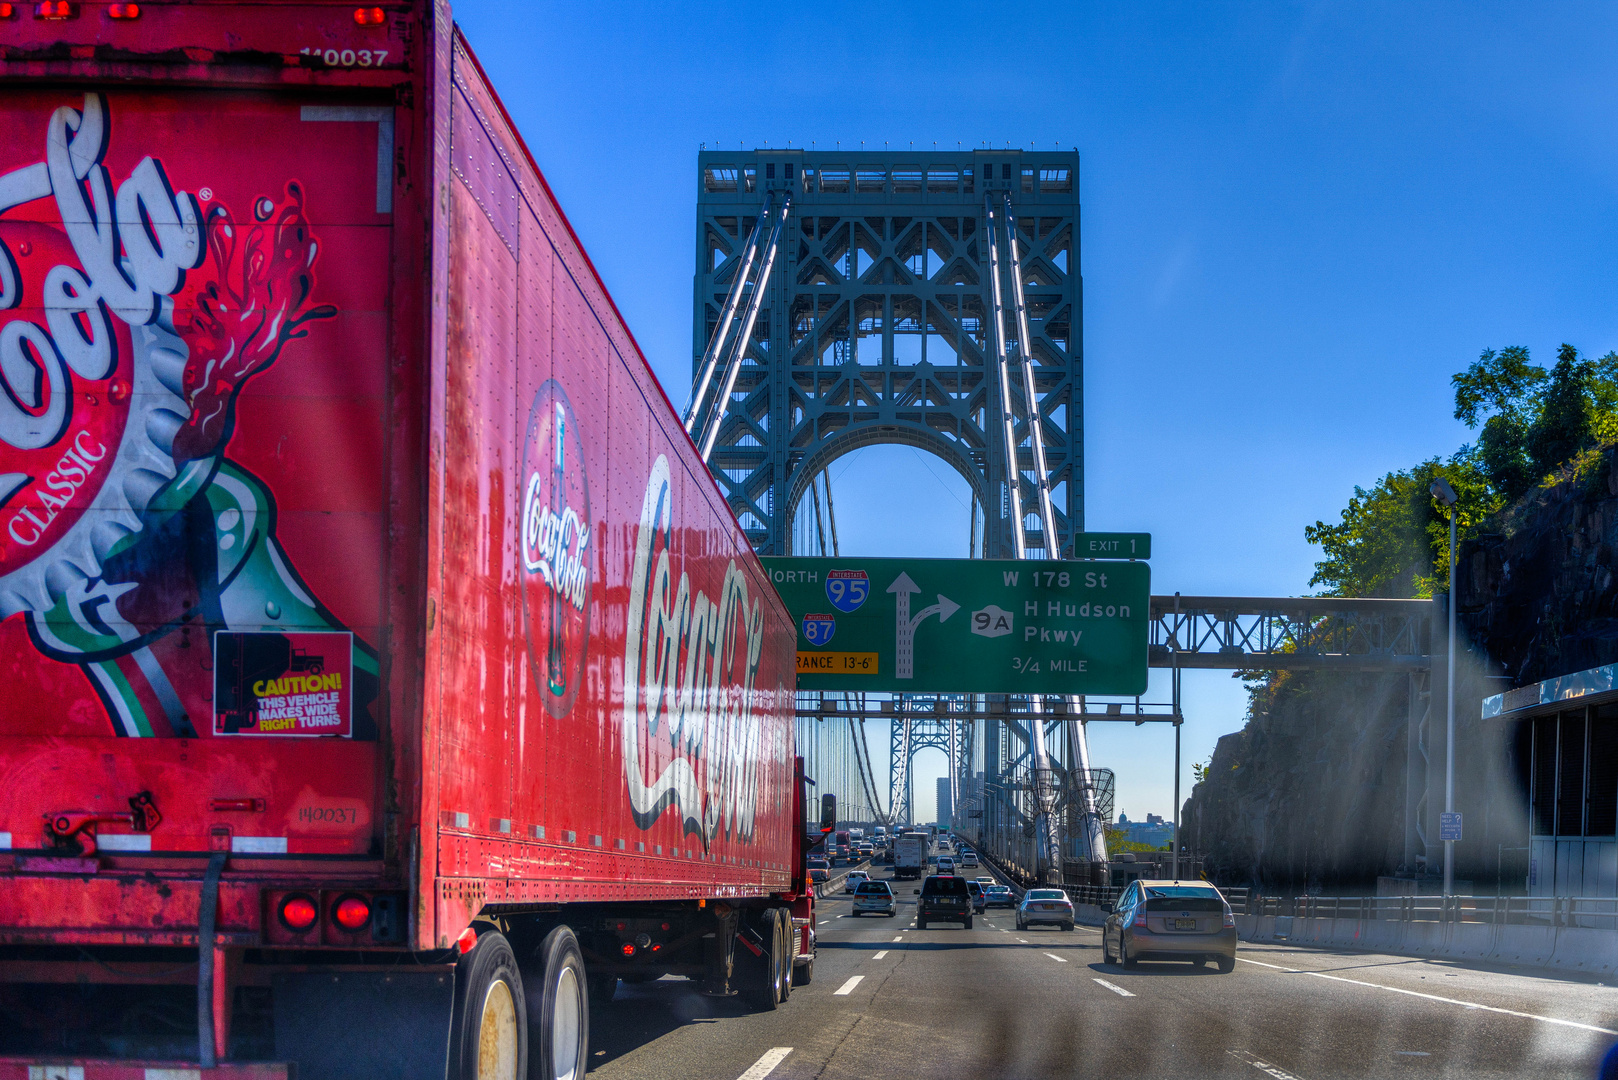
1449, 826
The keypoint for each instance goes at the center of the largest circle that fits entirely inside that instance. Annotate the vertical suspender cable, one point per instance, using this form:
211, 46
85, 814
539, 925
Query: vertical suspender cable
738, 353
1042, 477
1007, 420
710, 356
1078, 745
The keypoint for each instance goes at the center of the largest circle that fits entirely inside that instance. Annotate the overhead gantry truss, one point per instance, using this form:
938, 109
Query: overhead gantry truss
874, 326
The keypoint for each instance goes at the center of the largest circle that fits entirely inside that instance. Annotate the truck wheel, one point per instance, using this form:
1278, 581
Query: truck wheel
559, 1014
761, 975
602, 988
489, 1034
789, 949
803, 974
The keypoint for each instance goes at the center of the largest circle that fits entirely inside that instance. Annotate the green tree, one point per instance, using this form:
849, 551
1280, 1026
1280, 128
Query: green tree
1393, 540
1533, 420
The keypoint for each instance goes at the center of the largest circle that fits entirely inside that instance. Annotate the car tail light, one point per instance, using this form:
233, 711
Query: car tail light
298, 912
1140, 918
1230, 918
123, 11
56, 9
352, 913
369, 16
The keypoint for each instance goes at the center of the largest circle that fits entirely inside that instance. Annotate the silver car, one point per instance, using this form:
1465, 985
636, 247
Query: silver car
874, 898
1170, 920
1047, 907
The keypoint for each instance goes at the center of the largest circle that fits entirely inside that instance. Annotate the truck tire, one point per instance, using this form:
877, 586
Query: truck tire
489, 1027
558, 1010
803, 974
602, 988
789, 949
760, 976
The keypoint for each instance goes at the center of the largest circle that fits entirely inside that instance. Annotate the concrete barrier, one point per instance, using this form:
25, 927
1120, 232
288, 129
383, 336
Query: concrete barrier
1556, 948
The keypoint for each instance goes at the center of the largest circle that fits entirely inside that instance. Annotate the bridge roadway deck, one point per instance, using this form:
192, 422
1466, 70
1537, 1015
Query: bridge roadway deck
992, 1002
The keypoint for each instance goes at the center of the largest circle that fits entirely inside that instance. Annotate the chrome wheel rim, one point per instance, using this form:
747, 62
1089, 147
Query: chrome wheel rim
497, 1034
565, 1015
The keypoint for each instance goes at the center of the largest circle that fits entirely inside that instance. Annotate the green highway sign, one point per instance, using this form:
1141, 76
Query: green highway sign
967, 626
1099, 545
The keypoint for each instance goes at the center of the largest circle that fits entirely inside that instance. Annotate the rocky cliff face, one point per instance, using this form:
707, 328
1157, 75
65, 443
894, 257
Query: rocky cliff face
1310, 794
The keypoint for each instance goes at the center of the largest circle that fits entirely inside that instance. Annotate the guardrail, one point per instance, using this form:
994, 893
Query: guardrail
1104, 897
1586, 911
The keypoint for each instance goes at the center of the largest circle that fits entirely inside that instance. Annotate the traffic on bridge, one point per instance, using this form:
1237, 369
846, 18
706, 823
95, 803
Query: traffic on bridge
422, 662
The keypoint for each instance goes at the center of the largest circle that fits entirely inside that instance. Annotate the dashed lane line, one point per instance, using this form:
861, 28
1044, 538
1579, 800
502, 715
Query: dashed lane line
879, 954
1434, 997
765, 1065
1058, 959
1262, 1066
848, 987
898, 939
1114, 987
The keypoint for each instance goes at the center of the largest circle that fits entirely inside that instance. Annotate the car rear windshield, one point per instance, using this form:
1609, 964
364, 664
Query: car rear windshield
818, 864
944, 886
879, 887
1183, 899
1047, 894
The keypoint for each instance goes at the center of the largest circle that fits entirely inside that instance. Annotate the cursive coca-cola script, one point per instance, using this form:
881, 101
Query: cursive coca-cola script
690, 664
133, 248
553, 545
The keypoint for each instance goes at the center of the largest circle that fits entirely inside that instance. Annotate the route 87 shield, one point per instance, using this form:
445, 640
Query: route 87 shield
818, 629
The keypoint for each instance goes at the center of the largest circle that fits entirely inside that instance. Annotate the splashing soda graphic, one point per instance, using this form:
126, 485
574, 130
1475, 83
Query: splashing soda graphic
264, 276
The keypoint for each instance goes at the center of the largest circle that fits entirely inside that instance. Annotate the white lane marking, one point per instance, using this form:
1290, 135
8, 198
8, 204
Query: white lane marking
1434, 997
848, 987
1262, 1066
898, 939
765, 1065
1058, 959
1022, 941
879, 954
1120, 991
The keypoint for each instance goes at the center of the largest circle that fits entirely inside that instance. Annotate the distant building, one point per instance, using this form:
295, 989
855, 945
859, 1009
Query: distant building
946, 807
1153, 832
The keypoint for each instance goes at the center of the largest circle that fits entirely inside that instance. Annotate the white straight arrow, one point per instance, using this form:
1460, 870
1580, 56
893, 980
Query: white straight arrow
904, 660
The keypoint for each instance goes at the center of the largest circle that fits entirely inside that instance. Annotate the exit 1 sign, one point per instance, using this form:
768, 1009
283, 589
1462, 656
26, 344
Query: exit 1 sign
1110, 545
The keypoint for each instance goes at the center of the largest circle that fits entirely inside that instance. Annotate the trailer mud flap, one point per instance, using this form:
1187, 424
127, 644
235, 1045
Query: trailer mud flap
365, 1025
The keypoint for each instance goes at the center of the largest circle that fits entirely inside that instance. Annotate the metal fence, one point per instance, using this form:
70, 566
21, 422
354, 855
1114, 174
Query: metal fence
1104, 897
1585, 911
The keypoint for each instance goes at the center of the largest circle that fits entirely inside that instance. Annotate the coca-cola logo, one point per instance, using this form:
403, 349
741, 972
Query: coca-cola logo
86, 335
554, 548
691, 662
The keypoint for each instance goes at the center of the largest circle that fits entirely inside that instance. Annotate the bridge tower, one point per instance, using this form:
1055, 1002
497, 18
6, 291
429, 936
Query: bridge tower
845, 299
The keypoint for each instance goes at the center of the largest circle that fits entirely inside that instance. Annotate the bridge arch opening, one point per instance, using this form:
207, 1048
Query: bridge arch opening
890, 499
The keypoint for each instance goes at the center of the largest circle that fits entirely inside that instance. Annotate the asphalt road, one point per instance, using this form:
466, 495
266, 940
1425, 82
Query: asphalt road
890, 1001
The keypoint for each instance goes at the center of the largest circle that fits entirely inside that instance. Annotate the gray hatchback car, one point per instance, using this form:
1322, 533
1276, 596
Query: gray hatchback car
1170, 920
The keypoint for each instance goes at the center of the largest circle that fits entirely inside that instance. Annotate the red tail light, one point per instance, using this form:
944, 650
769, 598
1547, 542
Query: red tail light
298, 912
468, 939
352, 913
123, 11
629, 948
7, 11
370, 16
1230, 918
1140, 917
56, 9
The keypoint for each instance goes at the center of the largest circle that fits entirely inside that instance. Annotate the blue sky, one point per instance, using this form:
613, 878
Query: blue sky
1299, 221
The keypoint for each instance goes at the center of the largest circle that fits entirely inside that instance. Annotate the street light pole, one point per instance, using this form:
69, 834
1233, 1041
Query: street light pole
1444, 493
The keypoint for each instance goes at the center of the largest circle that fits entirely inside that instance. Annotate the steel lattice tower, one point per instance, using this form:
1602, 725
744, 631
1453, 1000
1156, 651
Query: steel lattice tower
874, 324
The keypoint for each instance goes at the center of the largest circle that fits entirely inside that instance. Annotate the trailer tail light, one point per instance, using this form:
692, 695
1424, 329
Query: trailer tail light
56, 9
468, 939
628, 948
298, 912
369, 16
7, 11
123, 11
352, 913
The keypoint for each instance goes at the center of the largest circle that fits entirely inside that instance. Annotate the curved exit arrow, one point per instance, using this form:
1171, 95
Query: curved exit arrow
904, 660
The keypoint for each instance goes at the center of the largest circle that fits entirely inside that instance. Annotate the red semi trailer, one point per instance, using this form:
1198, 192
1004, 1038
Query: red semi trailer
384, 675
